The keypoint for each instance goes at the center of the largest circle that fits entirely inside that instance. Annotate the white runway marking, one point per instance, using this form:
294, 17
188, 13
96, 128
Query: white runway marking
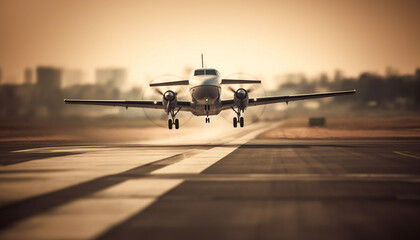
87, 218
51, 174
200, 162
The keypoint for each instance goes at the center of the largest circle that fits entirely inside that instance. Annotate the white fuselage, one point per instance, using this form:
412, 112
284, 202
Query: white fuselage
205, 92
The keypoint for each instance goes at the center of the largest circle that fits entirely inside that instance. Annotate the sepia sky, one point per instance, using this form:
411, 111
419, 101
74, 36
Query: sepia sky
263, 38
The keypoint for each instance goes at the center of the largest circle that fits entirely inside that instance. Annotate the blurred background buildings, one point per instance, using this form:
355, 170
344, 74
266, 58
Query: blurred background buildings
42, 97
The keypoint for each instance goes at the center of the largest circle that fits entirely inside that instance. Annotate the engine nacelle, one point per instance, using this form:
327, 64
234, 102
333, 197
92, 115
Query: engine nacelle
241, 98
169, 100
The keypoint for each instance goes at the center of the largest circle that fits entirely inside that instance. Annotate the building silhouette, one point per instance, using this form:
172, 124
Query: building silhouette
28, 76
48, 78
111, 77
71, 77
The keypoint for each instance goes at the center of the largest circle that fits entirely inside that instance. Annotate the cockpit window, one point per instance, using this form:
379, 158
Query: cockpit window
205, 72
211, 72
199, 72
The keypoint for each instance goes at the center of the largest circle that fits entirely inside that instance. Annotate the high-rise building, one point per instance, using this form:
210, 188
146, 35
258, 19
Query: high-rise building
48, 78
112, 77
28, 76
72, 77
0, 76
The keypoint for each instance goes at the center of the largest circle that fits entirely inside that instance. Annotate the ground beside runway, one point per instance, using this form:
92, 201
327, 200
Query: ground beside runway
247, 189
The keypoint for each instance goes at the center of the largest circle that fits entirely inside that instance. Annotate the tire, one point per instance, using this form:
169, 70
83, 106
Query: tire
170, 123
235, 122
241, 122
176, 123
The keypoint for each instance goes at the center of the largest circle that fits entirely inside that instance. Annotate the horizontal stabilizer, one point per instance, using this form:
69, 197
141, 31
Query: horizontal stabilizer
239, 81
173, 83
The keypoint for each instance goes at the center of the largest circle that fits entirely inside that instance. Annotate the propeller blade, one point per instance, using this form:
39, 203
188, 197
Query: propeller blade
251, 89
231, 89
157, 90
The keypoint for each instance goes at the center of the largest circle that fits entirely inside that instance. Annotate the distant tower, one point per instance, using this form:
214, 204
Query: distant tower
28, 76
112, 77
48, 78
72, 77
0, 76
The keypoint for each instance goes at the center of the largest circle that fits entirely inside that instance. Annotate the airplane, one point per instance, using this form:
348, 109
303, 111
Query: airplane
205, 89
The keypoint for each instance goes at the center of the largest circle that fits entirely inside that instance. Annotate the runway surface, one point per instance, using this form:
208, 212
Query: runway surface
226, 186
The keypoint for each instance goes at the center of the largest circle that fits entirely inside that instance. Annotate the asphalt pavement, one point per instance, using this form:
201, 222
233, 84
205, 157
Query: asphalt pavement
229, 186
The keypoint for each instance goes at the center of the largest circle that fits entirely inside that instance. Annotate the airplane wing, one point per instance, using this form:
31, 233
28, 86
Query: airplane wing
226, 104
239, 81
173, 83
185, 105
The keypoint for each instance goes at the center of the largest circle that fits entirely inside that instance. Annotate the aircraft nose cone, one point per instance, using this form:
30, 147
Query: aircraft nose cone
169, 95
241, 93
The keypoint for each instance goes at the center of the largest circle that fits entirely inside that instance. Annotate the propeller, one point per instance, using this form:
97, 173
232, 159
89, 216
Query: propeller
160, 117
254, 90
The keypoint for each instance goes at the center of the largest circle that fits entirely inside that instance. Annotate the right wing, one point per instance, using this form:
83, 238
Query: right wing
239, 81
227, 104
268, 100
184, 105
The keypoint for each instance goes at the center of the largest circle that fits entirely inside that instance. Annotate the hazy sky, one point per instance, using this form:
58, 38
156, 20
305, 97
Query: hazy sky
260, 37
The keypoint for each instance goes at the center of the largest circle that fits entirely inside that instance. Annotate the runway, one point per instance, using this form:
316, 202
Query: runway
227, 186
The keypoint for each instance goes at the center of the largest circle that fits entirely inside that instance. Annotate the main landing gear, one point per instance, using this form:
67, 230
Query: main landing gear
235, 122
207, 120
238, 119
173, 120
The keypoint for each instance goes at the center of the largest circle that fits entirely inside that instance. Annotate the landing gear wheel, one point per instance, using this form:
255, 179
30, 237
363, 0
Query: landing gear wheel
176, 123
170, 123
208, 120
235, 122
241, 122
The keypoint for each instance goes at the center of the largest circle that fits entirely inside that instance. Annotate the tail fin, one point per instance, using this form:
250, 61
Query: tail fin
202, 61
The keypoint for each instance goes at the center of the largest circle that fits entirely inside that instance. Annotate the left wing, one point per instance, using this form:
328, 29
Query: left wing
184, 105
173, 83
226, 104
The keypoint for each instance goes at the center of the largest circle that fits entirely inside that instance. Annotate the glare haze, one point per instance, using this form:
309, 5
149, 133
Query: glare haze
263, 38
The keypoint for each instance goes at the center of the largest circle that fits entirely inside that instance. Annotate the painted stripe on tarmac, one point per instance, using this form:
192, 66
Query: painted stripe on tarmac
86, 218
406, 155
200, 162
70, 170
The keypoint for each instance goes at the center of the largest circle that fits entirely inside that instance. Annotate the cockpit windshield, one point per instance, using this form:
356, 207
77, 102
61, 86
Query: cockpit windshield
205, 72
